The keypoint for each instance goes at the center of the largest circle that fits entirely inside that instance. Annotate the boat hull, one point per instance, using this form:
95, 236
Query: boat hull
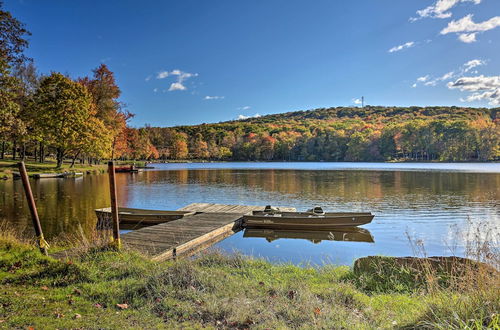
48, 175
327, 222
347, 234
139, 216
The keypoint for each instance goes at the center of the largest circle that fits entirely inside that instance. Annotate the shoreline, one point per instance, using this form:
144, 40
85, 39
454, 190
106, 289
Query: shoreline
8, 167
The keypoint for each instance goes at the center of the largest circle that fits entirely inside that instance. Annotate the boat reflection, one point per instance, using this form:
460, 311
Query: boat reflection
347, 234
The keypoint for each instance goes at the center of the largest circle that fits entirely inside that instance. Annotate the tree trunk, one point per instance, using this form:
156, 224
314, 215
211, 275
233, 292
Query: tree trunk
74, 159
2, 154
60, 157
42, 152
113, 149
14, 147
23, 152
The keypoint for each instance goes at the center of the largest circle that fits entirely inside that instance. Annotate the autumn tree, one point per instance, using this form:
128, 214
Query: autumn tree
65, 115
27, 84
10, 123
178, 146
199, 148
105, 93
12, 45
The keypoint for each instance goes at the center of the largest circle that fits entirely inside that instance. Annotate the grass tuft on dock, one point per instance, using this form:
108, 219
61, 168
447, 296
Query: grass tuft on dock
103, 288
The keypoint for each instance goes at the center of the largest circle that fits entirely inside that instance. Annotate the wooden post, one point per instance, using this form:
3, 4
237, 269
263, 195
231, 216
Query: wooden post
42, 244
114, 205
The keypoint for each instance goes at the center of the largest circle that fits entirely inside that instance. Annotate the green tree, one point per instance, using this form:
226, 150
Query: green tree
12, 44
65, 114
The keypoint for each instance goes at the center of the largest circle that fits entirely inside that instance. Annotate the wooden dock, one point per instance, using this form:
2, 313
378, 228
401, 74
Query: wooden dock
186, 236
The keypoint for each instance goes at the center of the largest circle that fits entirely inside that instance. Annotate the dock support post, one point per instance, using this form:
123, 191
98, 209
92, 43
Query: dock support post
42, 244
114, 205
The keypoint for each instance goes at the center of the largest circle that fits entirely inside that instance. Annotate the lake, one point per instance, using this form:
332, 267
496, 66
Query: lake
429, 202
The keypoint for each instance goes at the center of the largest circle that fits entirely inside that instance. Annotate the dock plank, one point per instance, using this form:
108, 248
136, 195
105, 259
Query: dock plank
183, 237
190, 234
175, 238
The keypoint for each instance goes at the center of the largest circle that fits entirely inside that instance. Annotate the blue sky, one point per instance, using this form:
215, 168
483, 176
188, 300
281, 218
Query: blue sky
190, 62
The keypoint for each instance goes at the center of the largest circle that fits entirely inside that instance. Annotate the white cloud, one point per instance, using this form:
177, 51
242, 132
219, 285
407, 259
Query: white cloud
423, 79
241, 117
213, 97
155, 90
181, 77
162, 75
468, 29
401, 47
427, 80
481, 88
467, 37
440, 9
472, 64
176, 86
357, 101
148, 78
244, 108
447, 76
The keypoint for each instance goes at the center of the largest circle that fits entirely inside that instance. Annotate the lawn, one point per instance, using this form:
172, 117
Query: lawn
108, 289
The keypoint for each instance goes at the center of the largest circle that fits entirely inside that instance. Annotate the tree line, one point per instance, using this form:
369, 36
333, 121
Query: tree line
340, 134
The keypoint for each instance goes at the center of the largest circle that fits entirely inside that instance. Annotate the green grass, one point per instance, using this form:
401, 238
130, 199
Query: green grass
217, 291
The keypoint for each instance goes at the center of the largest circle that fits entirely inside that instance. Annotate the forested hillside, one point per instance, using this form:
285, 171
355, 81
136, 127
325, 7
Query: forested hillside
340, 134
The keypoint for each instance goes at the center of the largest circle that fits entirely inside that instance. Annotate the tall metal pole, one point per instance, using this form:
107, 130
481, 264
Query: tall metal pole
42, 244
114, 205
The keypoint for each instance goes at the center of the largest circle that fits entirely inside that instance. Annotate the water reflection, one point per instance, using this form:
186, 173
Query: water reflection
424, 204
315, 236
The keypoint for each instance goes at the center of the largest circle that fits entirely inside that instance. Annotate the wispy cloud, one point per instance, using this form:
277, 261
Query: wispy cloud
246, 107
467, 29
162, 75
423, 79
241, 117
440, 9
428, 80
213, 97
481, 88
401, 47
472, 64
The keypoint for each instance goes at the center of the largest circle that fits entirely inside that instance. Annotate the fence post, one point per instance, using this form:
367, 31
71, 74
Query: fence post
42, 244
114, 205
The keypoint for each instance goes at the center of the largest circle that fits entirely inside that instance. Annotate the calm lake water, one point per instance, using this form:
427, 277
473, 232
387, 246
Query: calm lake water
429, 202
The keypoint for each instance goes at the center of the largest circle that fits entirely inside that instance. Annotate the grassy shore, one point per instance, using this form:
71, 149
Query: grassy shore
8, 166
107, 289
